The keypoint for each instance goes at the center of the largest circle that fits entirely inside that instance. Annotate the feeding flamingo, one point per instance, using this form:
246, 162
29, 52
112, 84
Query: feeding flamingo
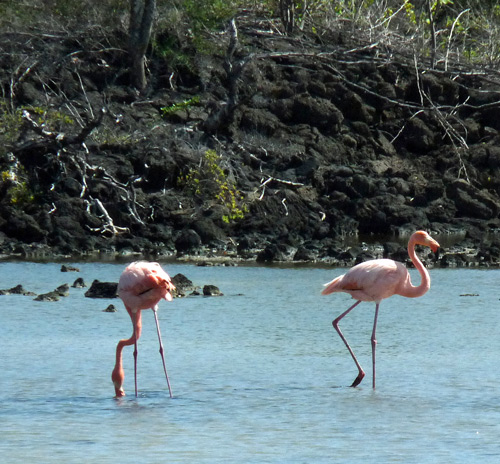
378, 279
142, 285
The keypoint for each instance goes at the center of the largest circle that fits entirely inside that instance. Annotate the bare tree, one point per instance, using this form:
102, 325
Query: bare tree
141, 22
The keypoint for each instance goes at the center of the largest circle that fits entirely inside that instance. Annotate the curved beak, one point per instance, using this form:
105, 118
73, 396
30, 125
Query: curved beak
433, 245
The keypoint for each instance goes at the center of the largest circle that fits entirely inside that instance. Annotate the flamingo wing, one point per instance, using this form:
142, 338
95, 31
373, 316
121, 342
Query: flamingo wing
142, 284
369, 281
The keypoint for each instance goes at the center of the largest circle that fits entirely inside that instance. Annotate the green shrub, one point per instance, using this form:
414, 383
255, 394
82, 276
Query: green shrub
209, 14
17, 191
210, 182
11, 121
166, 110
10, 124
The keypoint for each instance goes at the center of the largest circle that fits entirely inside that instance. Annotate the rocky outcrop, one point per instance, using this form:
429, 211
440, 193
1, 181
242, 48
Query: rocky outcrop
109, 290
17, 290
55, 295
323, 151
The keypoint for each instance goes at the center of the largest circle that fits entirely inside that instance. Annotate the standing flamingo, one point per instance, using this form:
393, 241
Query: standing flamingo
142, 285
378, 279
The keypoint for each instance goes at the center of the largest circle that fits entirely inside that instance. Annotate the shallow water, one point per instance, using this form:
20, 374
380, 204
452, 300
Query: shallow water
258, 375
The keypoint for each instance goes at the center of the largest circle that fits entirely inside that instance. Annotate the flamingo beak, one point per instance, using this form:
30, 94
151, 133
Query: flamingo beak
169, 288
434, 245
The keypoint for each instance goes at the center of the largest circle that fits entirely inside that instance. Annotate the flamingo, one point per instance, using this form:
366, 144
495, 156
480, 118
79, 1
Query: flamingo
142, 285
376, 280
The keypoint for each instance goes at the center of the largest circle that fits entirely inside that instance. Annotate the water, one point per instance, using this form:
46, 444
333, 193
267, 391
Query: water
258, 375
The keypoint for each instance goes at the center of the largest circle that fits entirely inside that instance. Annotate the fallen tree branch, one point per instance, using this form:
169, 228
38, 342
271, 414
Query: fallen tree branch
53, 141
109, 226
99, 173
271, 179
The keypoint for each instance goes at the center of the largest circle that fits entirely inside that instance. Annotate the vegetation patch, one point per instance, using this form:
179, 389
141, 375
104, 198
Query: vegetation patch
166, 110
210, 182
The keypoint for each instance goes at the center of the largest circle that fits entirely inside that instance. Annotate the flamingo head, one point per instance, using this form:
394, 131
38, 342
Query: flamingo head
160, 279
117, 377
167, 288
423, 238
119, 392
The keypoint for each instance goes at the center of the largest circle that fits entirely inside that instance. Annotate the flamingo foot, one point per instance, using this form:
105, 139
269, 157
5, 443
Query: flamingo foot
358, 379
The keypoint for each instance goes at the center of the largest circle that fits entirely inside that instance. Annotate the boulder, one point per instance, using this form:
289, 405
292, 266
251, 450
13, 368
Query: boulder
54, 295
110, 309
211, 290
17, 290
79, 283
62, 290
472, 202
182, 285
188, 242
50, 296
65, 268
102, 290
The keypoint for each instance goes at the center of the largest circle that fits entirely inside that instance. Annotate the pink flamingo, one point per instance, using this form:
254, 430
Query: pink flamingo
378, 279
142, 285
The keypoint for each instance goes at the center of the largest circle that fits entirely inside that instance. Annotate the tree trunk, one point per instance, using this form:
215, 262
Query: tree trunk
141, 22
287, 12
432, 27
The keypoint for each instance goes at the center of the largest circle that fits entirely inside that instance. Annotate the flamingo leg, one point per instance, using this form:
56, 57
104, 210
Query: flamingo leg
161, 352
335, 324
374, 341
137, 323
135, 367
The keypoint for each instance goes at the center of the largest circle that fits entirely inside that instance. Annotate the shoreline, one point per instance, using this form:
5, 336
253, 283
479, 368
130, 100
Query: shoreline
455, 252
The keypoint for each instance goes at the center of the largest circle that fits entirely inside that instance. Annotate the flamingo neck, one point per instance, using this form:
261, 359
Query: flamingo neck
409, 290
118, 374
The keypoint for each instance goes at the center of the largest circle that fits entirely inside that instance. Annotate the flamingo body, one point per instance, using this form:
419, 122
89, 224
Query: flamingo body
370, 281
142, 285
378, 279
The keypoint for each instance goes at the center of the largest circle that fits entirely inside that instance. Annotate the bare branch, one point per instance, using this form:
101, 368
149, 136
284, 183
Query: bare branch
448, 46
53, 141
109, 226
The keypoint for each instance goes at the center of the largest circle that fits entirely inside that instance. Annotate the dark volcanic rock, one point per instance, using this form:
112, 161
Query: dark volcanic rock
65, 268
62, 290
307, 150
182, 285
23, 227
79, 283
188, 242
50, 296
55, 295
472, 202
102, 290
211, 290
17, 290
110, 309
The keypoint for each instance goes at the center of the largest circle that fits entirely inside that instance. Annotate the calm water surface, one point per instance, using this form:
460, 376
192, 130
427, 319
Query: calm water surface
258, 375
